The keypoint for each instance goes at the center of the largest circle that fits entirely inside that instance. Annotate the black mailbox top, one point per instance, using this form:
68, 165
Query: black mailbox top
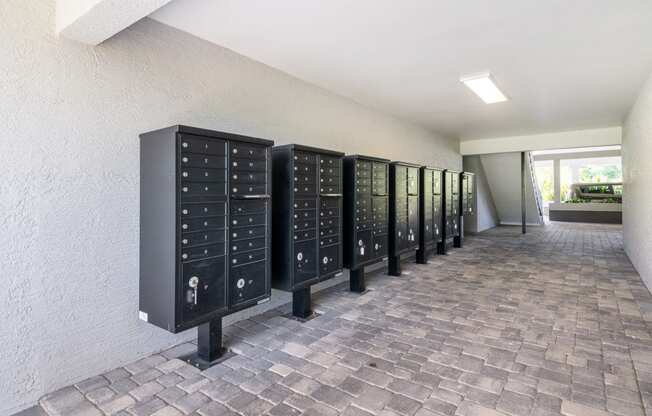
453, 171
372, 158
214, 133
301, 147
433, 168
410, 165
468, 173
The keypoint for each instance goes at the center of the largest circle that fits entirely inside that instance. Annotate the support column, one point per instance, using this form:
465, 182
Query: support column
523, 216
556, 172
209, 340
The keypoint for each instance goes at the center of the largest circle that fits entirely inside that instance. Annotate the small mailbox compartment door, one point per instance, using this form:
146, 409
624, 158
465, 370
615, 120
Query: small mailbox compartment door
203, 288
247, 283
305, 261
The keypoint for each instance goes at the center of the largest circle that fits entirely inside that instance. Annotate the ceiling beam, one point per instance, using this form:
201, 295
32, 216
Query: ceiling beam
548, 141
94, 21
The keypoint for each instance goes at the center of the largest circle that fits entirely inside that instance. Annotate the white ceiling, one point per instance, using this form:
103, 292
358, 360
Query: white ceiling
565, 64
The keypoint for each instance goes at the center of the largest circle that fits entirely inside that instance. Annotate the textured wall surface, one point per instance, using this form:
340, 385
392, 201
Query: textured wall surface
486, 215
503, 173
70, 117
637, 176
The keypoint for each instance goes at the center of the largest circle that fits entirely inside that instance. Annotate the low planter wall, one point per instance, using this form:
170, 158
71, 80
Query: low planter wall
593, 212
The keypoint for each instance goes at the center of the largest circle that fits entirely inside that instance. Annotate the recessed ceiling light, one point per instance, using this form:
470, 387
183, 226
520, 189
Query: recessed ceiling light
483, 85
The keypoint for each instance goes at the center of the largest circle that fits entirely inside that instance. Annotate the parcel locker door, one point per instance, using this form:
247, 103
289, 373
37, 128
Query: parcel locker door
203, 288
248, 283
363, 246
329, 260
305, 261
380, 246
413, 219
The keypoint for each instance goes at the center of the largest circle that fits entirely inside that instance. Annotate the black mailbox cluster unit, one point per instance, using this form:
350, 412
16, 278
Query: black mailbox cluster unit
403, 213
451, 217
204, 230
366, 189
431, 206
467, 201
307, 208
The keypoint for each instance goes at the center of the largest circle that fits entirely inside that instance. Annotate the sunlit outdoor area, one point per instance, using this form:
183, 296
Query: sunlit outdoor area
577, 179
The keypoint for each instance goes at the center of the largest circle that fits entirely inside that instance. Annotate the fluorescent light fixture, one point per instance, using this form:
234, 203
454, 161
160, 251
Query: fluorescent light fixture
483, 85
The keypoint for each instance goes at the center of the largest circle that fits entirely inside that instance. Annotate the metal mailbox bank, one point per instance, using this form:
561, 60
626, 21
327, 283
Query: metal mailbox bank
307, 206
366, 189
204, 230
403, 213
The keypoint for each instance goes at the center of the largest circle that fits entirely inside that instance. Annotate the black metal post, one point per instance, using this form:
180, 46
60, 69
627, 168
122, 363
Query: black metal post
394, 266
209, 340
356, 280
422, 255
302, 303
523, 217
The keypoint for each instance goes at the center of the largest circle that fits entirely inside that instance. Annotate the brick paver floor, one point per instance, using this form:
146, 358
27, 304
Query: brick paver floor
554, 322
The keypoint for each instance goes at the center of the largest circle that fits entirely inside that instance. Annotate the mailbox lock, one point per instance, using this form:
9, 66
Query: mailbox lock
360, 243
193, 283
325, 260
241, 283
300, 256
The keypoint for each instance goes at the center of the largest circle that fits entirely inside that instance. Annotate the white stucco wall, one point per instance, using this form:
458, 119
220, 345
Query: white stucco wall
486, 216
70, 116
637, 177
503, 173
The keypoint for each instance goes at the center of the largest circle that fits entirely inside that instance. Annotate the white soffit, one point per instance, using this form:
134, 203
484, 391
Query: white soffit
94, 21
565, 65
560, 140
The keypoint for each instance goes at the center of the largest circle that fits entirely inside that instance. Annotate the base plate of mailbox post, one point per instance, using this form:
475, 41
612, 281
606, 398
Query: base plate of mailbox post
209, 346
302, 306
